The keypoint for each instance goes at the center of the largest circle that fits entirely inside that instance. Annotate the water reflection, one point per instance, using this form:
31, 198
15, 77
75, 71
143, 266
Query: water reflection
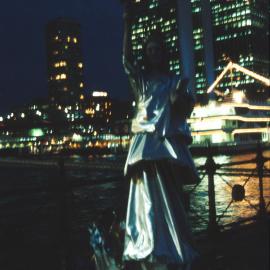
93, 191
231, 211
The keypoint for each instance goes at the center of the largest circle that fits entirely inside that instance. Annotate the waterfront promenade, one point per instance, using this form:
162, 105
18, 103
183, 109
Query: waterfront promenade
47, 205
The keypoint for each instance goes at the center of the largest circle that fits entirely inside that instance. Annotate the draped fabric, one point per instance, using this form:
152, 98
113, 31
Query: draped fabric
156, 225
158, 164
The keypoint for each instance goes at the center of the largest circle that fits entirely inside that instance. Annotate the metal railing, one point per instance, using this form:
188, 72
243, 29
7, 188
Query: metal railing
215, 172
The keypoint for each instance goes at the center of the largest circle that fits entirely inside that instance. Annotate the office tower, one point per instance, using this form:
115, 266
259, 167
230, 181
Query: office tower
99, 107
64, 61
150, 15
203, 45
187, 29
241, 34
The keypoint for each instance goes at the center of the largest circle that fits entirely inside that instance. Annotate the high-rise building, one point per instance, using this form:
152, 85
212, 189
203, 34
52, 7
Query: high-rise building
220, 31
64, 60
99, 108
174, 19
240, 30
150, 15
203, 45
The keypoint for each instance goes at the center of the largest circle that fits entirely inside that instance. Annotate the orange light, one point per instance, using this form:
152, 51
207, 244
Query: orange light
237, 67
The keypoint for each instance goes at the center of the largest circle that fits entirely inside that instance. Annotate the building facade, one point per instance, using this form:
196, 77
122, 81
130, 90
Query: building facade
241, 34
151, 15
64, 62
220, 31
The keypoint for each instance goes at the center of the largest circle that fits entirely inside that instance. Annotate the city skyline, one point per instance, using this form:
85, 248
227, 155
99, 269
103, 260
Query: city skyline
23, 68
23, 72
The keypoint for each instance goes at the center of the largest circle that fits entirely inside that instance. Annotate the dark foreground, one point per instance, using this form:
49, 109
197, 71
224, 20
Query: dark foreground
45, 214
244, 248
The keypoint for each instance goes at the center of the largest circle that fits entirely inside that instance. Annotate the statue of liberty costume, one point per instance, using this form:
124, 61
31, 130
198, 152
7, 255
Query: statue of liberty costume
158, 164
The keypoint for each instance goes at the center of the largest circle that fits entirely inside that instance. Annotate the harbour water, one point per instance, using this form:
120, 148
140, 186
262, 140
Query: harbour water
30, 195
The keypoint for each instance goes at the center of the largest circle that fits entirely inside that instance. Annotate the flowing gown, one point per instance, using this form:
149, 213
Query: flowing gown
158, 164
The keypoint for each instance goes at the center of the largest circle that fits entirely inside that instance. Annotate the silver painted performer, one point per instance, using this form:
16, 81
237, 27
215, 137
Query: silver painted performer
159, 162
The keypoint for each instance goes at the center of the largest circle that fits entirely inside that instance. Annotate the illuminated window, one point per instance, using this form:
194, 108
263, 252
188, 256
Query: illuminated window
62, 63
81, 97
80, 65
63, 76
68, 39
75, 40
81, 84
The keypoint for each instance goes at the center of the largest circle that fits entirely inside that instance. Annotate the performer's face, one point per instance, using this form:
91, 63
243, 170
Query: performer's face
154, 53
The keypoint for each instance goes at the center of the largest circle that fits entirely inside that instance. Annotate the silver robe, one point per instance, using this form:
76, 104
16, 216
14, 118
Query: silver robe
158, 163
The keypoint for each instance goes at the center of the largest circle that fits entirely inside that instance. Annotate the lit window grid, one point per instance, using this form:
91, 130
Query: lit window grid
141, 30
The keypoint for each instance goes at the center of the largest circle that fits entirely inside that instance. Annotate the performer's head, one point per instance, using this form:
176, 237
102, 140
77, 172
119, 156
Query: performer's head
155, 56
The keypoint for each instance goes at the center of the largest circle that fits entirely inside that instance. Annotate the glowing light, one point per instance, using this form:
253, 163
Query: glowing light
231, 117
207, 132
81, 84
80, 65
38, 113
1, 119
81, 97
212, 125
238, 96
63, 76
75, 40
90, 111
232, 65
218, 138
99, 94
249, 130
76, 137
22, 115
36, 132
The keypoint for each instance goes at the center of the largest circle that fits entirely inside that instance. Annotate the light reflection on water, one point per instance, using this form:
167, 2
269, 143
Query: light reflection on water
97, 194
237, 210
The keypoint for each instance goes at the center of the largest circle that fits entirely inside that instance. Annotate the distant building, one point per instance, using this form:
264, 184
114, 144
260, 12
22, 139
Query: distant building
187, 29
64, 60
203, 45
241, 34
231, 120
151, 15
202, 36
99, 108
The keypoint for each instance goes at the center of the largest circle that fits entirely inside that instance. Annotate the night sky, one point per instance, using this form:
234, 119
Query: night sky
23, 66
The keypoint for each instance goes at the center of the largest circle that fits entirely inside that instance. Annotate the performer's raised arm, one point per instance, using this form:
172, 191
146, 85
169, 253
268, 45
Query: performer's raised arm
128, 60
